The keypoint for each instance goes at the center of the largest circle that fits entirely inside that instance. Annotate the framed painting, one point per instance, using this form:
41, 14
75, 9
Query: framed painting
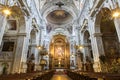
59, 51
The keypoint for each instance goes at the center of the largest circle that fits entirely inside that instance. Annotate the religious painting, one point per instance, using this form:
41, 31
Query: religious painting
59, 51
59, 14
8, 46
12, 24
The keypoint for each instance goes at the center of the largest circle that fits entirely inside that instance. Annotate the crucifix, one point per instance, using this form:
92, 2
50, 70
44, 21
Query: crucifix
60, 4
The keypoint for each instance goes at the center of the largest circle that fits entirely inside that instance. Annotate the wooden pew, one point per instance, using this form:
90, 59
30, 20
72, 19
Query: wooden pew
28, 76
82, 75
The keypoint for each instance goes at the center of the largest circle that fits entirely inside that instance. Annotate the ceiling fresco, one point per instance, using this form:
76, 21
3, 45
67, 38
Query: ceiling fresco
59, 17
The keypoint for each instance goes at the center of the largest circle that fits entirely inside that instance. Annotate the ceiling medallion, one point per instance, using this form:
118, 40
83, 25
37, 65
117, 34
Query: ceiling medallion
59, 14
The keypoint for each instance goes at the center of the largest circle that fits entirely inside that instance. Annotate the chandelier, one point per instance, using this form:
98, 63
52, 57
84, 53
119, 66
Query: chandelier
5, 9
79, 46
43, 62
43, 51
10, 10
116, 12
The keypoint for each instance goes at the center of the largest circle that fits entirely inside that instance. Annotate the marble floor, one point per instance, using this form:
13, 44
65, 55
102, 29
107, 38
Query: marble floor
60, 77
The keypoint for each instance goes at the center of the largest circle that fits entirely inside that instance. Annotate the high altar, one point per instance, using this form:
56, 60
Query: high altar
60, 53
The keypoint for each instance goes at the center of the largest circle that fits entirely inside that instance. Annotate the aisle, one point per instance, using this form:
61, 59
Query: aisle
60, 77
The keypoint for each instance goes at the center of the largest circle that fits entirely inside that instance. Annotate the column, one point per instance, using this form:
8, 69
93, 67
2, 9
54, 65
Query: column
117, 26
19, 53
97, 45
98, 38
78, 36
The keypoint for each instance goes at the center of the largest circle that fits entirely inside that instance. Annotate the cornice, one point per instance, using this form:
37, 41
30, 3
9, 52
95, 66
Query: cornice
97, 34
96, 5
21, 34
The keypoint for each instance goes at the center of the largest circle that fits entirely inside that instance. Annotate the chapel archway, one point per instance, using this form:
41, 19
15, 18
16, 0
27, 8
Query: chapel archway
108, 38
60, 53
109, 35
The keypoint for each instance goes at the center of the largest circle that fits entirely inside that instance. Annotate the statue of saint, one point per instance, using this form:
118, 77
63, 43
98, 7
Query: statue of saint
72, 63
30, 63
5, 68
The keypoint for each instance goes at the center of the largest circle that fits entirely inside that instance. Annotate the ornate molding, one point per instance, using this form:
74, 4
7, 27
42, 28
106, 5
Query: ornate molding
84, 25
21, 34
25, 7
97, 5
50, 7
97, 34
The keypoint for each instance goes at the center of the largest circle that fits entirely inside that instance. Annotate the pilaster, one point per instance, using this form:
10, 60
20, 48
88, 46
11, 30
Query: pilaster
2, 27
19, 53
97, 47
98, 38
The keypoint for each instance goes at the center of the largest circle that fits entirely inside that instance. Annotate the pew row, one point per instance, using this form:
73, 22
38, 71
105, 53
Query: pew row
80, 75
40, 75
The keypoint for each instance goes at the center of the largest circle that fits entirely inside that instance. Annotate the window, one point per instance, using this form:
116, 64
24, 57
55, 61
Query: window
12, 24
8, 46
